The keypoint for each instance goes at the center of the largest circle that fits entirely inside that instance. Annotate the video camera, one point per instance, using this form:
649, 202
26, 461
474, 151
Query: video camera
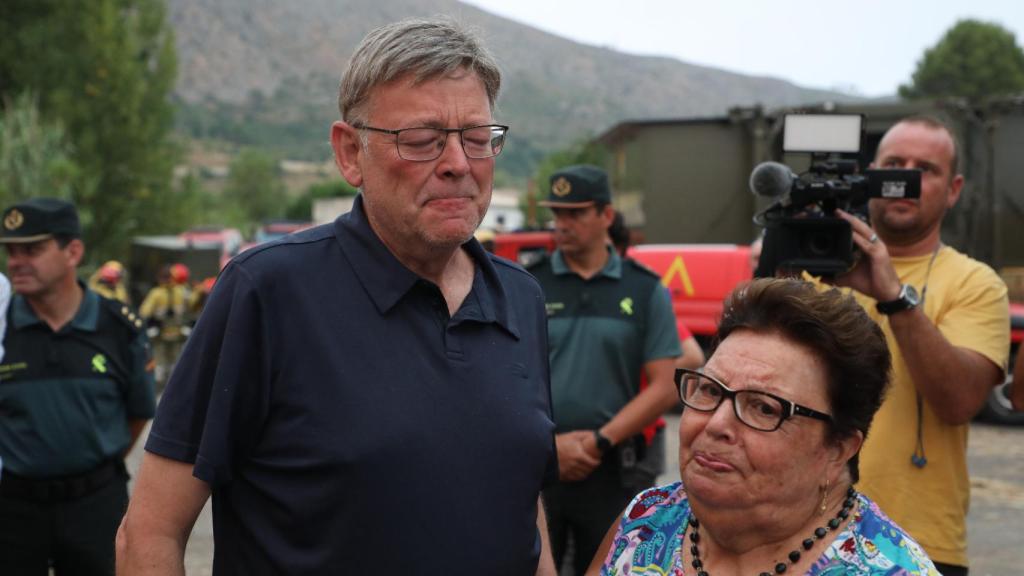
801, 229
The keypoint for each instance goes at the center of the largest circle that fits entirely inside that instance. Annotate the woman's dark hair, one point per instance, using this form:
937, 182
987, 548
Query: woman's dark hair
835, 328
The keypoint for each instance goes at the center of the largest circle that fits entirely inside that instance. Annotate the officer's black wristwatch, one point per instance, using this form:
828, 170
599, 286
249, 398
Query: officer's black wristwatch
603, 443
907, 300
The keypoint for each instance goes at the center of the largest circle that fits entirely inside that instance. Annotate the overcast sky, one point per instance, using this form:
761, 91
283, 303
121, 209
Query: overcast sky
868, 47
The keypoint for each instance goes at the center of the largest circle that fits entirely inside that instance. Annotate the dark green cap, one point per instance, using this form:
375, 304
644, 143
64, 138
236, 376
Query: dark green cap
37, 219
578, 187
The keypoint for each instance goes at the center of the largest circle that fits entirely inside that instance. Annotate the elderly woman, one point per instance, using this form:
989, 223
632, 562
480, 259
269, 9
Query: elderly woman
768, 448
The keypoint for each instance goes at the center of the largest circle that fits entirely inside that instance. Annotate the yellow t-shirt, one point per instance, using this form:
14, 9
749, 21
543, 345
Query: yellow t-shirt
968, 303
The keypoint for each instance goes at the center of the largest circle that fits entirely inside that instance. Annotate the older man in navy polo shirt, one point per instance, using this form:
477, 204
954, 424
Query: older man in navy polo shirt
369, 396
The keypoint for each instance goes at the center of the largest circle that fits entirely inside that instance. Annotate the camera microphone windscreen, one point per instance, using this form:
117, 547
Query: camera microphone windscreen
771, 179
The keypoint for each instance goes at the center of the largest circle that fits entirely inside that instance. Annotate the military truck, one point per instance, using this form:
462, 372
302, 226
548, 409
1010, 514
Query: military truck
686, 180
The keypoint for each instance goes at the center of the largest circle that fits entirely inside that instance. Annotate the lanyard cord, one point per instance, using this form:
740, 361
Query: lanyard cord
918, 457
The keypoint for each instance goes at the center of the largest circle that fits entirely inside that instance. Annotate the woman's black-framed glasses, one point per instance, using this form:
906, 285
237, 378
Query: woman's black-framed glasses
426, 144
759, 410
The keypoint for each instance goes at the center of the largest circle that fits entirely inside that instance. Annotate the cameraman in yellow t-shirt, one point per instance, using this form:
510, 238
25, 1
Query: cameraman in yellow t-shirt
945, 317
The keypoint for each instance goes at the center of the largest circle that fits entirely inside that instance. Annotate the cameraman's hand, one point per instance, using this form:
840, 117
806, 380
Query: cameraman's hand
873, 275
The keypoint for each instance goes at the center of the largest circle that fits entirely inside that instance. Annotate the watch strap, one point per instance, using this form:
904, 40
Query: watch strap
603, 443
907, 300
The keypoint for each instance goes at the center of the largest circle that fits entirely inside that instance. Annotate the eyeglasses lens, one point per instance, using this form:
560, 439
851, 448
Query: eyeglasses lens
420, 144
755, 409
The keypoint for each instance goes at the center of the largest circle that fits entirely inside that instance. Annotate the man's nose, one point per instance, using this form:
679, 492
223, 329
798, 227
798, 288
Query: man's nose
453, 158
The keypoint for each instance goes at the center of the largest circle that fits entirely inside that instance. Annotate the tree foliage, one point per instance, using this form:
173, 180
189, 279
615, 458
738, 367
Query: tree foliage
103, 70
255, 186
302, 207
34, 155
973, 60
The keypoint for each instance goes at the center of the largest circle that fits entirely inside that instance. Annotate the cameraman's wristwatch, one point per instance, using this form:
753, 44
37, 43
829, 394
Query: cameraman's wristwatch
907, 300
603, 443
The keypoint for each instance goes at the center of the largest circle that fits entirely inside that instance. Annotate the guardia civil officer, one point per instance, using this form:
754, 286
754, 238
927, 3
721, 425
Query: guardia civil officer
75, 392
609, 321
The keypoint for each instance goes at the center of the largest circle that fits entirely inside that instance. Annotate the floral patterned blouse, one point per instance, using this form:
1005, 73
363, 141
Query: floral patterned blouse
648, 541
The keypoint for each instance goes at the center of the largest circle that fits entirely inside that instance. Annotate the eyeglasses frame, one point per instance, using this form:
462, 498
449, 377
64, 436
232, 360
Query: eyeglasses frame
789, 407
447, 131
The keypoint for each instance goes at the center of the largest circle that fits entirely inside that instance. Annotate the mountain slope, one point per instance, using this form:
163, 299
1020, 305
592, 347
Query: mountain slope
279, 62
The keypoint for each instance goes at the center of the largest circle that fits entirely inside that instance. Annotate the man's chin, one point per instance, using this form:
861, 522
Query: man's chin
449, 238
895, 222
26, 290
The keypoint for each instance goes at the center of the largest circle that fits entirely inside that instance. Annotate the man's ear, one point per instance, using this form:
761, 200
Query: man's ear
75, 251
348, 152
955, 187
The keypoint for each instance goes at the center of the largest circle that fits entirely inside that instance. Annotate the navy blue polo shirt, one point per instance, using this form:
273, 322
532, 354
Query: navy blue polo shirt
348, 425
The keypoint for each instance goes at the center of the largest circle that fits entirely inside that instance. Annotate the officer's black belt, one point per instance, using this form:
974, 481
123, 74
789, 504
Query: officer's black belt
62, 487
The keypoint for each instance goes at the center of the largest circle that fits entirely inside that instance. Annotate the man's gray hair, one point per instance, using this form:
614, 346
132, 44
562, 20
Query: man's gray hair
426, 49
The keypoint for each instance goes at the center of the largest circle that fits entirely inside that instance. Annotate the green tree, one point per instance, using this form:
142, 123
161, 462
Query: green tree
973, 60
255, 187
302, 207
34, 155
104, 70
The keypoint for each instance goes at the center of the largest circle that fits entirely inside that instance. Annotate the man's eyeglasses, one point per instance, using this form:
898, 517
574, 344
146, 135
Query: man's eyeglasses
425, 144
759, 410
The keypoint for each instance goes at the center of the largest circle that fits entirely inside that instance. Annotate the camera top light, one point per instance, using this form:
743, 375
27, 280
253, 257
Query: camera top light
822, 133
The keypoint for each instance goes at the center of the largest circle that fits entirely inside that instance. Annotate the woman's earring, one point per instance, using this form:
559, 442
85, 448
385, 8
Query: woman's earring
824, 499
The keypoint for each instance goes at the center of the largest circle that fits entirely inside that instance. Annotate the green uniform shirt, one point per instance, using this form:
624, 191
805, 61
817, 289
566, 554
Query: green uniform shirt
601, 332
66, 396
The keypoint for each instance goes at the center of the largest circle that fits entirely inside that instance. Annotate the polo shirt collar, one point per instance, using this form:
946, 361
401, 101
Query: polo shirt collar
612, 268
387, 281
86, 318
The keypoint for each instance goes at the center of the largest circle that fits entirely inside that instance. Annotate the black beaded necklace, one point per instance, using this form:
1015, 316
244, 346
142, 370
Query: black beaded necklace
794, 556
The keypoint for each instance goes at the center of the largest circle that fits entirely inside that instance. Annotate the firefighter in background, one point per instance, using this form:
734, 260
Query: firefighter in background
164, 311
108, 281
197, 300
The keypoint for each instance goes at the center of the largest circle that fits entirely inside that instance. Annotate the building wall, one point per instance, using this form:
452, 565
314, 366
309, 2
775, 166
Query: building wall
1008, 146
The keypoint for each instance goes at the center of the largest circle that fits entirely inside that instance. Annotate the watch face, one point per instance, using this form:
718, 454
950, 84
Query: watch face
908, 299
911, 295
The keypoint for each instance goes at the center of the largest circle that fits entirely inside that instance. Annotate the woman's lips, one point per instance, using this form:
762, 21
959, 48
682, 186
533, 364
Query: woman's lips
712, 463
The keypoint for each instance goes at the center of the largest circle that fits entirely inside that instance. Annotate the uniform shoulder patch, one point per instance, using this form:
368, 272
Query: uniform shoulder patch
124, 313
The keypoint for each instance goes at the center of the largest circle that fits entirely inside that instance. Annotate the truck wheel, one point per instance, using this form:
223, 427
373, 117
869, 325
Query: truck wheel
997, 408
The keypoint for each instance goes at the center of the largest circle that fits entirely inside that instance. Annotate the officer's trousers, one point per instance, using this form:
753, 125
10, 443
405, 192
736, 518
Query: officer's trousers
76, 536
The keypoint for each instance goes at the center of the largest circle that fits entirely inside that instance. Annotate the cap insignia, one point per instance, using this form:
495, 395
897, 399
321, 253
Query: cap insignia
13, 220
561, 187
